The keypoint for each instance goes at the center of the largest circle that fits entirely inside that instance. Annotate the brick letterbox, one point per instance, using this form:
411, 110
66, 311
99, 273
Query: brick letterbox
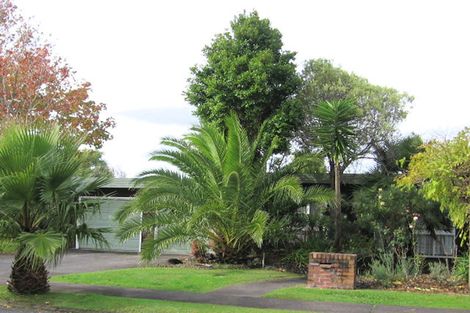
331, 270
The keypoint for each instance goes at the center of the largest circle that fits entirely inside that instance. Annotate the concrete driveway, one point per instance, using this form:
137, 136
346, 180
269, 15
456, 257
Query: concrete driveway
76, 262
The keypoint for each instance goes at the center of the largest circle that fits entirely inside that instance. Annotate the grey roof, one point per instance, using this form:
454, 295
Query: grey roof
120, 183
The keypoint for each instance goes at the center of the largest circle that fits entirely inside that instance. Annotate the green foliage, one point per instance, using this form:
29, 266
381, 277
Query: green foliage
461, 268
335, 128
39, 192
443, 172
382, 108
409, 267
247, 72
297, 260
383, 270
439, 271
384, 212
219, 194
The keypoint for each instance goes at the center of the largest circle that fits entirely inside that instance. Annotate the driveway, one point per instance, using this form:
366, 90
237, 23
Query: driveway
76, 262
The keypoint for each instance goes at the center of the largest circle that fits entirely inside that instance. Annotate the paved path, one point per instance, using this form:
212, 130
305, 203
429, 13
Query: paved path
247, 295
80, 262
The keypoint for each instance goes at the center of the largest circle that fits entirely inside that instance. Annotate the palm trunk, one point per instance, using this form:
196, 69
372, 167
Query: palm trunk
337, 213
26, 278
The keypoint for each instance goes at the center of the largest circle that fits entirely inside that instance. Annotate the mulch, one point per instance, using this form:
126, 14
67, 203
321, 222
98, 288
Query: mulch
422, 283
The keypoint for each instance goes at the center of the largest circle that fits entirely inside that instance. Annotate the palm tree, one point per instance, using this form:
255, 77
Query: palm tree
217, 195
335, 130
39, 208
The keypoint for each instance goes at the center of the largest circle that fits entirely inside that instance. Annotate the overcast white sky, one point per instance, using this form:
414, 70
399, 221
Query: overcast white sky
137, 55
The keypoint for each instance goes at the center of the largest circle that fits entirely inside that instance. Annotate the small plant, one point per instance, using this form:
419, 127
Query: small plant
439, 271
407, 268
382, 270
460, 270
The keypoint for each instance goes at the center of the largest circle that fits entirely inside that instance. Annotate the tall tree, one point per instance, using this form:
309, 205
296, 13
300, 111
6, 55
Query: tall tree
335, 130
247, 72
382, 108
37, 86
218, 195
39, 191
442, 171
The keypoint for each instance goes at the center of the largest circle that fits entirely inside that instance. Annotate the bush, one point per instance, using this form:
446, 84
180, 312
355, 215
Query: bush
439, 271
297, 260
461, 268
8, 247
382, 270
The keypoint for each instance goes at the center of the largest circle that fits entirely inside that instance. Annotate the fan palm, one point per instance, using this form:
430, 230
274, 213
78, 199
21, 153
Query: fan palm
39, 208
217, 195
335, 130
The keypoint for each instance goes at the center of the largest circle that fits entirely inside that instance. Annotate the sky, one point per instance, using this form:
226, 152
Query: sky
137, 55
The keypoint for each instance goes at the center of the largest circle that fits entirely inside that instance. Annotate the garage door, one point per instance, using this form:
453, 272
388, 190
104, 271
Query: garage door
105, 219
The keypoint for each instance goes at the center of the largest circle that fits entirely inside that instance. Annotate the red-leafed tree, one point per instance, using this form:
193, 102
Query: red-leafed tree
36, 86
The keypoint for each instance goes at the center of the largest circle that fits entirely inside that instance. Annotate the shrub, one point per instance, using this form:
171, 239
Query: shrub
460, 270
438, 271
382, 270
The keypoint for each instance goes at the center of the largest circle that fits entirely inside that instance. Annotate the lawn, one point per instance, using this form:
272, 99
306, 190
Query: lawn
98, 303
177, 279
384, 297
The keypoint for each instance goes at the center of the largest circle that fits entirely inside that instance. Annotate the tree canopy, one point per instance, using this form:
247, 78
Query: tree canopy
248, 73
442, 171
36, 86
381, 107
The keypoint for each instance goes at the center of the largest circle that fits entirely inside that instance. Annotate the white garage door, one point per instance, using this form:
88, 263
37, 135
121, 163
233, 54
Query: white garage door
106, 219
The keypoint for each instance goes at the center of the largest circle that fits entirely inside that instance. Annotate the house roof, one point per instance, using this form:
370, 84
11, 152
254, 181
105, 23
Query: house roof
120, 183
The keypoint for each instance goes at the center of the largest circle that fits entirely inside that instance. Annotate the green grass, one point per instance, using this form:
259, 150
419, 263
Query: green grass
385, 297
177, 279
98, 303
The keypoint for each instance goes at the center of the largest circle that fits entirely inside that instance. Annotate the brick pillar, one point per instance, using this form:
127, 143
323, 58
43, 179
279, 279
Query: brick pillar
332, 270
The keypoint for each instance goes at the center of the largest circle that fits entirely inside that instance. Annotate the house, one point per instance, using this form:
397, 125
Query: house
119, 191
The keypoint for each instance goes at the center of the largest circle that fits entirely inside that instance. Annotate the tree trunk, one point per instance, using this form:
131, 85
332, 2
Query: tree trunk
26, 278
337, 213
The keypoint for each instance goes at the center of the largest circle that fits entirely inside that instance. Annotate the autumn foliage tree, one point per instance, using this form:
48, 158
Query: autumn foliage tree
36, 86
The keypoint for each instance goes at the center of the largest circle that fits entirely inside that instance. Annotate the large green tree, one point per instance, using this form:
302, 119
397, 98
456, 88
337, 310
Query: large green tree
247, 72
442, 171
40, 186
218, 195
382, 107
